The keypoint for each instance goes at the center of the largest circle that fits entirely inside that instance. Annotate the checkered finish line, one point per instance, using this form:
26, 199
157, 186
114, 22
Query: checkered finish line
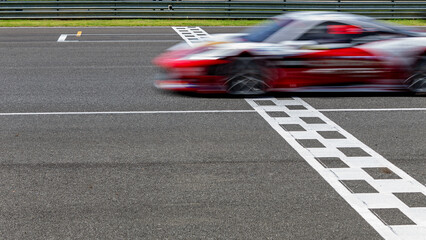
391, 201
192, 35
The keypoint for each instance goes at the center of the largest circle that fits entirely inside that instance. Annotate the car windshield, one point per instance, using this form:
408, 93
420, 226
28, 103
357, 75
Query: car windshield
262, 32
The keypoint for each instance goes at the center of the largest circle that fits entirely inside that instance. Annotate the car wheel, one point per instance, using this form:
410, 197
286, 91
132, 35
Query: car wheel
417, 82
246, 76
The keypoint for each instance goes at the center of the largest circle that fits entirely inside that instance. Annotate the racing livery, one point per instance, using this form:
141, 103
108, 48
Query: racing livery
301, 51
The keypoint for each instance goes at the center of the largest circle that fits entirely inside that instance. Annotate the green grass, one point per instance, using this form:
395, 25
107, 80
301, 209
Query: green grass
153, 22
418, 22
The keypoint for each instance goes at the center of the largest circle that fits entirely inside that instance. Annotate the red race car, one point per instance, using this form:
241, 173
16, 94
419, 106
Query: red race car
301, 51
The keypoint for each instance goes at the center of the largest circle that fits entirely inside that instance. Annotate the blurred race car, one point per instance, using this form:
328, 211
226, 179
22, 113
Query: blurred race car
301, 51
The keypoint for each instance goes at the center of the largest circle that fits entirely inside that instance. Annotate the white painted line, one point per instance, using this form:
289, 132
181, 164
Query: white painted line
363, 203
80, 67
130, 34
192, 35
122, 41
62, 38
301, 135
371, 109
125, 112
125, 41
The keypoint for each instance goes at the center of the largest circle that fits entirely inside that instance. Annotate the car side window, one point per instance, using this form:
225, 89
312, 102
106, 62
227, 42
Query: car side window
377, 35
332, 31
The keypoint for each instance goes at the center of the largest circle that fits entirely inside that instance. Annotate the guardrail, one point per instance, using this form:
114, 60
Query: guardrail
202, 9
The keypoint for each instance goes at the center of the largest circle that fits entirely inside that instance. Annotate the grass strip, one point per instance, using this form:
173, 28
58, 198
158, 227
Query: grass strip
154, 22
409, 22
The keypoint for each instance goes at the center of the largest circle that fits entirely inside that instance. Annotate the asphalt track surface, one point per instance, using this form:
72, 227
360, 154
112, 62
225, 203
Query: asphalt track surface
187, 174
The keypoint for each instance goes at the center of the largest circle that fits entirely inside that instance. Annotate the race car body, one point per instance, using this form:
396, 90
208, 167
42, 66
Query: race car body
301, 51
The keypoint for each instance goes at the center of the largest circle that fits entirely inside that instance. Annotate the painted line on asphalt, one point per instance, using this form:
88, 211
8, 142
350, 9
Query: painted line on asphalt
319, 140
370, 109
191, 35
194, 111
63, 37
126, 112
130, 34
78, 67
126, 41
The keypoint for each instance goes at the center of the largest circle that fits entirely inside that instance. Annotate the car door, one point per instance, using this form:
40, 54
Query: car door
333, 59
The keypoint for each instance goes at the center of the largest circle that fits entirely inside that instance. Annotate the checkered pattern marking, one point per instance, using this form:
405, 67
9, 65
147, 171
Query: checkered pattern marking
192, 35
373, 186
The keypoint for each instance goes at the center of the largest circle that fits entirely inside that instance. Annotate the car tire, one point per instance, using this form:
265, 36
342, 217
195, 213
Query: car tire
417, 81
246, 76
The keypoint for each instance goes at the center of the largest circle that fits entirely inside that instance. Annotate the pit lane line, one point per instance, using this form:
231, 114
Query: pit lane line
201, 111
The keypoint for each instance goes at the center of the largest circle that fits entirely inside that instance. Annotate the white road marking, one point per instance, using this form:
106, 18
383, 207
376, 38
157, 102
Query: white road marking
192, 35
62, 38
130, 34
363, 203
78, 67
125, 41
194, 111
370, 109
125, 112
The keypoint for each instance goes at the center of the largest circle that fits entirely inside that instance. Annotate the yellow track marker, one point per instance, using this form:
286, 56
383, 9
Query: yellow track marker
78, 33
